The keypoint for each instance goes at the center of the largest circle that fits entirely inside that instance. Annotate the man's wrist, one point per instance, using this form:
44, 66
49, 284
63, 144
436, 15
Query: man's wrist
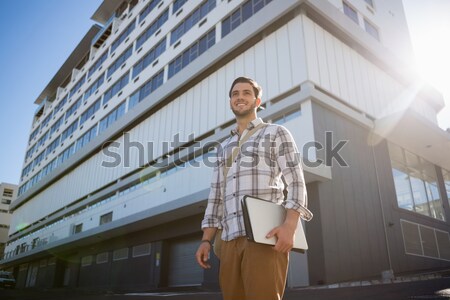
206, 241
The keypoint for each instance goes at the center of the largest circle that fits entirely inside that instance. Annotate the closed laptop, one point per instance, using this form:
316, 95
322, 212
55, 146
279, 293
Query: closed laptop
261, 216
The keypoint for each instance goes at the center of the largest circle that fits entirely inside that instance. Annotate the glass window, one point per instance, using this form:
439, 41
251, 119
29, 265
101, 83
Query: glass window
90, 111
205, 42
446, 175
199, 13
106, 218
98, 64
119, 61
242, 14
118, 85
149, 58
94, 86
371, 29
146, 89
415, 183
177, 4
73, 108
77, 86
351, 13
123, 36
148, 9
152, 28
370, 2
112, 117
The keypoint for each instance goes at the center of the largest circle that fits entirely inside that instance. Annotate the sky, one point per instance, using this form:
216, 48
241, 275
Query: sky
38, 36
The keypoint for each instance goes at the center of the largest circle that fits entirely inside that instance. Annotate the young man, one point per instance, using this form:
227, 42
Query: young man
248, 270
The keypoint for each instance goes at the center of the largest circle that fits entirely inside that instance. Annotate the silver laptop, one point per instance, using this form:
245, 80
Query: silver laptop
261, 216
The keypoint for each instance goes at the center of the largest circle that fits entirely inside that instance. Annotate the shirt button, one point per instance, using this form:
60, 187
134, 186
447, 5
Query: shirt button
234, 176
234, 194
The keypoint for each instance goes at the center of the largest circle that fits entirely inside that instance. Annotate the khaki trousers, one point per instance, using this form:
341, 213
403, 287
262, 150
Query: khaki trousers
251, 271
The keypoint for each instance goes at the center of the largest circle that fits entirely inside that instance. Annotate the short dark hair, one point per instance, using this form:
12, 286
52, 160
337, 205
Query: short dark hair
256, 88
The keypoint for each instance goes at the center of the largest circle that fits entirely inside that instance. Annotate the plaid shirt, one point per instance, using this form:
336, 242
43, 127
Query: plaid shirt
269, 153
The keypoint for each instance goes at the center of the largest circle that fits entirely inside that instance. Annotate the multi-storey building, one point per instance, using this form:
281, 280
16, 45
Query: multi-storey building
117, 170
8, 193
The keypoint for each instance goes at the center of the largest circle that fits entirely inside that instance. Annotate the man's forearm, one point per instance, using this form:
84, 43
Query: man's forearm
208, 233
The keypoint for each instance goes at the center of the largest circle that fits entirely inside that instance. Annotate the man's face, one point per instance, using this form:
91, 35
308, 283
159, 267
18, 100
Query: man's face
243, 101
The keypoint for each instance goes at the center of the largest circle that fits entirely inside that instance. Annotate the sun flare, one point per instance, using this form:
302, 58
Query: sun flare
431, 46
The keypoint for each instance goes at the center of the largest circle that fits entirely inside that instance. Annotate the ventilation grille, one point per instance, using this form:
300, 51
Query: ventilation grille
425, 241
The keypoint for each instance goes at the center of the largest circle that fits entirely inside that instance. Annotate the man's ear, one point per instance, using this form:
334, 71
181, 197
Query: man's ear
258, 102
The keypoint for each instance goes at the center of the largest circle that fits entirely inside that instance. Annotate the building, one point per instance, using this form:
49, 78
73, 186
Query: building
110, 182
8, 193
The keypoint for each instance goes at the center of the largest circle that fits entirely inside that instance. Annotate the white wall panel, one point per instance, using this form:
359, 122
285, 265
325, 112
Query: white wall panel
239, 66
212, 100
249, 63
297, 51
284, 60
272, 86
332, 65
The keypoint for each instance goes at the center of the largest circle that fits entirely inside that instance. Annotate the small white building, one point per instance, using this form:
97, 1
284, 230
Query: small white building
8, 193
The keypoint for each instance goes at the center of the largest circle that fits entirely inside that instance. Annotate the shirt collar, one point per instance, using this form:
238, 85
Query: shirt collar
250, 126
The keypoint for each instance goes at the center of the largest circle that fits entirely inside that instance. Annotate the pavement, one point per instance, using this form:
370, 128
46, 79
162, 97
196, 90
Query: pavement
419, 287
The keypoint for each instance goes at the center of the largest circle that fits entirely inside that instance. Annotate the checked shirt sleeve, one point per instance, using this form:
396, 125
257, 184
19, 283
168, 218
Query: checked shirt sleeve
289, 161
214, 208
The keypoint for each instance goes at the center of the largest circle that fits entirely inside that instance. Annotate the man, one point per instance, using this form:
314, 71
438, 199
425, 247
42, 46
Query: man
250, 270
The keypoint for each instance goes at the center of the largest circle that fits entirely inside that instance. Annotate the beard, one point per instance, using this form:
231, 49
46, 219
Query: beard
244, 113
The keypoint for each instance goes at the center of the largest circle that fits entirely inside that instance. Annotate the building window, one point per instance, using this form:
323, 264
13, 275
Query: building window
446, 175
415, 183
78, 228
86, 261
149, 58
90, 111
148, 9
152, 28
98, 64
8, 192
146, 89
242, 14
102, 258
120, 254
189, 55
106, 218
370, 2
56, 125
123, 36
66, 154
52, 146
118, 85
119, 61
351, 12
111, 117
371, 29
6, 201
77, 86
177, 4
61, 104
73, 108
86, 138
141, 250
287, 116
191, 20
69, 130
94, 86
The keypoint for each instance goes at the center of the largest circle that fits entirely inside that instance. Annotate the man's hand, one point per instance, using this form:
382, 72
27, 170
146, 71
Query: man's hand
202, 255
285, 233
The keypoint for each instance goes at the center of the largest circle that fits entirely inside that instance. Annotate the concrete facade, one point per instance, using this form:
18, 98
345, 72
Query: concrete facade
116, 174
